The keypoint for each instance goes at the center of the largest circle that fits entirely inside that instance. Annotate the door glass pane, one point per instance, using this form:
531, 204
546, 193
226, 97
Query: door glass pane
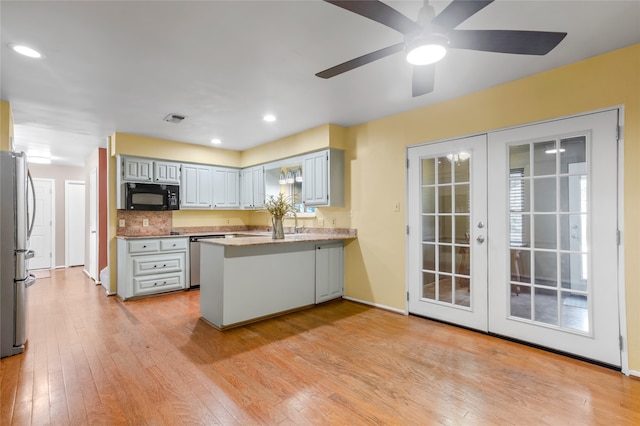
521, 266
444, 199
520, 230
429, 256
573, 151
428, 199
574, 309
445, 285
462, 229
429, 228
461, 167
573, 271
520, 305
546, 268
462, 295
546, 306
573, 193
444, 229
444, 260
544, 198
544, 158
519, 197
444, 170
429, 285
544, 235
428, 171
462, 198
519, 158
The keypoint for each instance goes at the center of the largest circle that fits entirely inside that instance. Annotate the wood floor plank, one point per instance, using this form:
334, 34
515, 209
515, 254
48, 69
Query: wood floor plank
92, 359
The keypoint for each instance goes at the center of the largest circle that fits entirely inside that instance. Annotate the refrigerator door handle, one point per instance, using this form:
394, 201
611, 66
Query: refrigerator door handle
33, 213
29, 254
31, 280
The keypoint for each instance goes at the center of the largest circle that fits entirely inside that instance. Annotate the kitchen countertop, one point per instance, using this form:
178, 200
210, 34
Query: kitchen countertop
246, 238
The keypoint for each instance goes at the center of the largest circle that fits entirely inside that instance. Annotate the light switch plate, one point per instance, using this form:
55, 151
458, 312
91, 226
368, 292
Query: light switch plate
121, 223
145, 222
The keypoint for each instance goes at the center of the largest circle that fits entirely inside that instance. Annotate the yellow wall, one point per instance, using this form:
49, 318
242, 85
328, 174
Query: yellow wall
321, 137
6, 126
376, 261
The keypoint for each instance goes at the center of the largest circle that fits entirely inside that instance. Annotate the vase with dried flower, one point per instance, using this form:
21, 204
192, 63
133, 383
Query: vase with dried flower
278, 207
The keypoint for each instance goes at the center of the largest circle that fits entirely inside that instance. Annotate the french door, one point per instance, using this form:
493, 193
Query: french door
448, 223
542, 247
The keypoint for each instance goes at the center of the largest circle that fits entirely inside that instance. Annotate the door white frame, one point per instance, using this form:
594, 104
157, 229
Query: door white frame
621, 282
52, 209
67, 209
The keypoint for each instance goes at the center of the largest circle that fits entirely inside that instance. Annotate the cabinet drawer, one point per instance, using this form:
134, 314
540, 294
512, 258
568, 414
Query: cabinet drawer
147, 265
144, 246
169, 244
158, 284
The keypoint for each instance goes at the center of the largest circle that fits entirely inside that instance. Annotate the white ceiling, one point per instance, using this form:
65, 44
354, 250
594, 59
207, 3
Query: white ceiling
124, 65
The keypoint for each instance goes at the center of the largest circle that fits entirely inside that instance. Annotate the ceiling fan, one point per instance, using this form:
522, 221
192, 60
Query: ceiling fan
426, 40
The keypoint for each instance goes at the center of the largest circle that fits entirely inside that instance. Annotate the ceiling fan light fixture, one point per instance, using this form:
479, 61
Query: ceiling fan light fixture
426, 52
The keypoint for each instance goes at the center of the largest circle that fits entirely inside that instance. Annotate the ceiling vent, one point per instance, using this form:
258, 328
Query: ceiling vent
174, 118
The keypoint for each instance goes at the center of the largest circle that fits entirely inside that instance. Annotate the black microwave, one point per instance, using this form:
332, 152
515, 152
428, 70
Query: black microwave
151, 196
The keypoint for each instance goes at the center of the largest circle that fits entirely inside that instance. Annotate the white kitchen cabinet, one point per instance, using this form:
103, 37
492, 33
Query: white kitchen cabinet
329, 271
149, 266
252, 187
226, 188
323, 178
166, 172
196, 187
137, 169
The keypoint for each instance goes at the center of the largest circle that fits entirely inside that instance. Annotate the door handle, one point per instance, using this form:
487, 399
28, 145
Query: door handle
480, 239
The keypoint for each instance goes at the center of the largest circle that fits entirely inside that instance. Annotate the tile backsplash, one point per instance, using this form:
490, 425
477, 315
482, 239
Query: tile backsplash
160, 223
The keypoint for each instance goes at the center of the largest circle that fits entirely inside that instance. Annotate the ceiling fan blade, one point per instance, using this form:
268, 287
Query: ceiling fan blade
360, 61
381, 13
506, 41
456, 13
423, 79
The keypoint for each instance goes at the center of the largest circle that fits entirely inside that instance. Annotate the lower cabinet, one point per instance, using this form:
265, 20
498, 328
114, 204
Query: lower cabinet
151, 266
329, 271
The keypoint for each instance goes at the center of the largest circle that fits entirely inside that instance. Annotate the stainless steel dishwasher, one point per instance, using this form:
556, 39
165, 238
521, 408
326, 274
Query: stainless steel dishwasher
194, 258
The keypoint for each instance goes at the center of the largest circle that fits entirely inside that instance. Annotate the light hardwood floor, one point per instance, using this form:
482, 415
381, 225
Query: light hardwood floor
92, 360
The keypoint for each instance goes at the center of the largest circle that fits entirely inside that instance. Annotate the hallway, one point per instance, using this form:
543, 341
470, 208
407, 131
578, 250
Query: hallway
92, 359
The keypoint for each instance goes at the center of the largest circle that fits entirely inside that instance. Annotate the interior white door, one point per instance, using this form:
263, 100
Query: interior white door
93, 225
41, 241
447, 207
75, 222
553, 251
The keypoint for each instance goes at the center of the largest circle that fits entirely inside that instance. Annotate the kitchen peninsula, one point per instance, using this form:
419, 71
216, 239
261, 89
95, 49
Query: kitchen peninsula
250, 277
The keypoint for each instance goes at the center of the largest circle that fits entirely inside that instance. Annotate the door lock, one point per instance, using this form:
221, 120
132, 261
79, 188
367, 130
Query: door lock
480, 239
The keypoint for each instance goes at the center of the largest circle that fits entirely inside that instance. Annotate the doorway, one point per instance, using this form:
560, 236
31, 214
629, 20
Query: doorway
42, 236
540, 241
74, 222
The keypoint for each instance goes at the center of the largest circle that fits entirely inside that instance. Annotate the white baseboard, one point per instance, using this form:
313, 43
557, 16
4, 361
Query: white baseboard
377, 305
634, 373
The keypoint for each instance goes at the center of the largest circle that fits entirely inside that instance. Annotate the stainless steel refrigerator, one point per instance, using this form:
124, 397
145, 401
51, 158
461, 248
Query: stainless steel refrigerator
16, 223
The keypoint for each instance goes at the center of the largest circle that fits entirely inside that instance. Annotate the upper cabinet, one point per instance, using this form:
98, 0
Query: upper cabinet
166, 172
226, 188
252, 187
136, 169
196, 190
323, 183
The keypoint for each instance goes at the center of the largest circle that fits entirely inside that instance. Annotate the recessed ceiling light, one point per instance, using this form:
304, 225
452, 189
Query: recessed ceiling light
269, 118
216, 141
26, 51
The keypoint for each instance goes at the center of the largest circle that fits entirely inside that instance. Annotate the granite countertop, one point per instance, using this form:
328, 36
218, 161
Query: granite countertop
249, 239
254, 237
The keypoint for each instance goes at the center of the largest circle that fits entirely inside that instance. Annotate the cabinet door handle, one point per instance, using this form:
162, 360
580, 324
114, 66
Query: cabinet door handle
155, 266
144, 246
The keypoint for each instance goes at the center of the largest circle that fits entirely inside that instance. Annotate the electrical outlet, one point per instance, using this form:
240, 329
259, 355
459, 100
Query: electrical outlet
228, 221
121, 223
333, 221
145, 222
